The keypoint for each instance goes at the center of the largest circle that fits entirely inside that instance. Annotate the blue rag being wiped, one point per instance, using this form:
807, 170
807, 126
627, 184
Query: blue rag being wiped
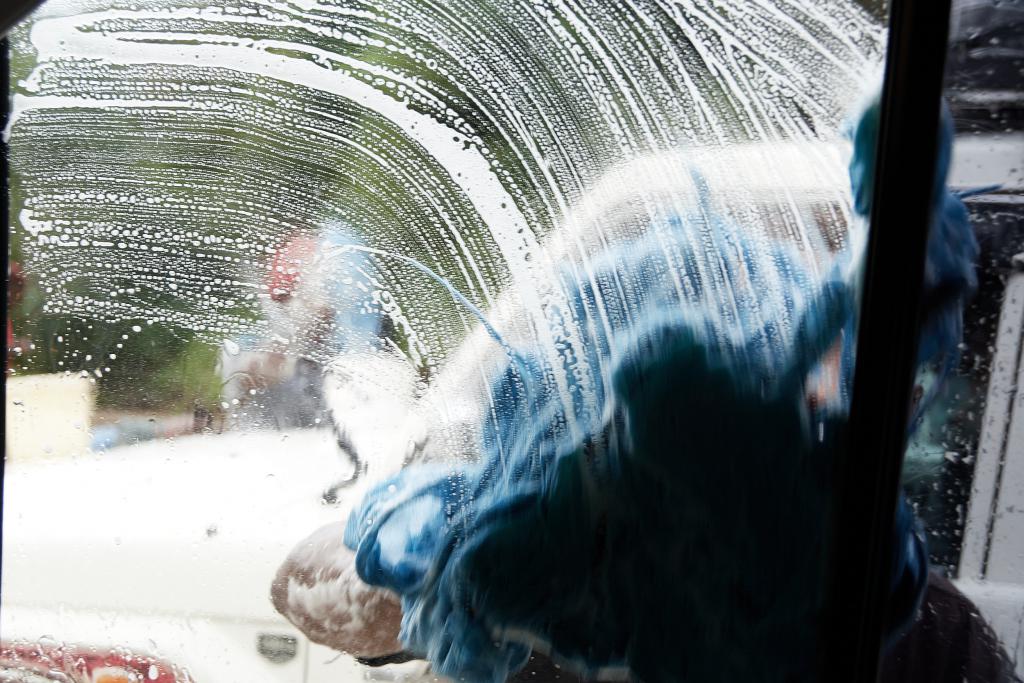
670, 519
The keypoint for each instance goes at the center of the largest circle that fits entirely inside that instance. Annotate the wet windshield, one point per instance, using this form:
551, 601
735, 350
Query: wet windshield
270, 252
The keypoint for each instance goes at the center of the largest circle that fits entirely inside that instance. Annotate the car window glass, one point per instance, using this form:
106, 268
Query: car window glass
265, 253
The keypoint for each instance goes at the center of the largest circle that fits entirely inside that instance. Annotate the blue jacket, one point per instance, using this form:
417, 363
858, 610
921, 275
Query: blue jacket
665, 508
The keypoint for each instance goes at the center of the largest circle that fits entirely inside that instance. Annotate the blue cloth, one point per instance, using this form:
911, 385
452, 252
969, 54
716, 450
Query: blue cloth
949, 277
949, 282
665, 509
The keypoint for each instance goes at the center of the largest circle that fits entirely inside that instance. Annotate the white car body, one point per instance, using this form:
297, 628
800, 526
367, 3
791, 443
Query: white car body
169, 549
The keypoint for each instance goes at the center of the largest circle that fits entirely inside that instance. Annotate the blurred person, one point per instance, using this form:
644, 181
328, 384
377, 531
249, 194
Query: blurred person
666, 522
318, 304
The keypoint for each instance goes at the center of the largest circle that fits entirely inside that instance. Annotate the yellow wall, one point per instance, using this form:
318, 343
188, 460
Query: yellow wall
48, 415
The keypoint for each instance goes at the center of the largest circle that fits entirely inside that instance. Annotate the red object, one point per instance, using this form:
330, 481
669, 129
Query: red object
87, 665
287, 266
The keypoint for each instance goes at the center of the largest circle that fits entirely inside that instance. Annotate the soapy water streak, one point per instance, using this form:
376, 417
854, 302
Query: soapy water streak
456, 294
163, 151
